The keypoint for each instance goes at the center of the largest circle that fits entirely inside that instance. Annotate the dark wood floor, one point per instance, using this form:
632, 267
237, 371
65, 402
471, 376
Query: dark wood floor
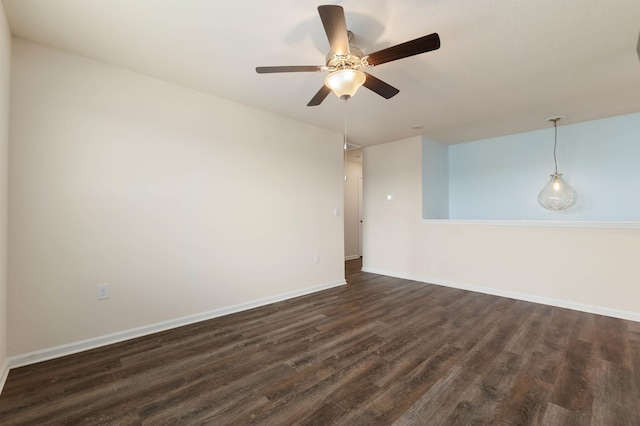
378, 351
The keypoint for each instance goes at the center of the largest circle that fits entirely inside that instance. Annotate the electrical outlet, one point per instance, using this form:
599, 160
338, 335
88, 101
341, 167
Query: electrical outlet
103, 291
316, 259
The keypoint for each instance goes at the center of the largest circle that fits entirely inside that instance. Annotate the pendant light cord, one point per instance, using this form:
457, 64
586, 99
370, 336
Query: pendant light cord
555, 143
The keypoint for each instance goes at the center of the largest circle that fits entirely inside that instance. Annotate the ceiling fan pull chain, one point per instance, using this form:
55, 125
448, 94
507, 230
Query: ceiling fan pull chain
345, 124
344, 147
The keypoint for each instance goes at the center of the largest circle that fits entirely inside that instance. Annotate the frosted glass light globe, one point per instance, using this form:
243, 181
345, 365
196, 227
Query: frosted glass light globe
557, 194
345, 83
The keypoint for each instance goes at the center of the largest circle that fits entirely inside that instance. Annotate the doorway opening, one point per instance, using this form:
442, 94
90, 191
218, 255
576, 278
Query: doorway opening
353, 199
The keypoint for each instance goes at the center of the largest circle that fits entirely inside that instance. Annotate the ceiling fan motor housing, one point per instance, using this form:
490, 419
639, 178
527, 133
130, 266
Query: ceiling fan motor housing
351, 61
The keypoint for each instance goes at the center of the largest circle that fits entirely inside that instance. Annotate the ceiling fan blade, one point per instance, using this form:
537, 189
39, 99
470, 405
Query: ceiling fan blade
319, 97
414, 47
294, 68
335, 26
380, 87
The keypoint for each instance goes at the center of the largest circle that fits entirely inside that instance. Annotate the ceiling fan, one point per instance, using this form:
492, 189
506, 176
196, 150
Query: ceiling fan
345, 61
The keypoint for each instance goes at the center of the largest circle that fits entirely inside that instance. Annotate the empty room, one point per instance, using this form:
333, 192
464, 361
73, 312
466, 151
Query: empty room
291, 212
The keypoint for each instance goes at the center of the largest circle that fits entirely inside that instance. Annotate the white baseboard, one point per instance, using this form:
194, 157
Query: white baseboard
95, 342
4, 375
352, 257
615, 313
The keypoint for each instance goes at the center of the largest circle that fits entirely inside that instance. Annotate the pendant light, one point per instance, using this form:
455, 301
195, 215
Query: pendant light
557, 194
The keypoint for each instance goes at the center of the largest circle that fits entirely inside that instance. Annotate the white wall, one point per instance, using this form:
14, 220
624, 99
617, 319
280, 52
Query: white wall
393, 169
584, 268
352, 210
5, 66
435, 179
184, 203
500, 178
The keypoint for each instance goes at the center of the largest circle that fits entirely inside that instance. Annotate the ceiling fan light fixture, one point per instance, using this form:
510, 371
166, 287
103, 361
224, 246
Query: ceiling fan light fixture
346, 60
345, 83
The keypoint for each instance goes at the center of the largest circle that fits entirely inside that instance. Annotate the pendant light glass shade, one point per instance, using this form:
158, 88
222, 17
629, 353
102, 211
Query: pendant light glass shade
557, 194
345, 83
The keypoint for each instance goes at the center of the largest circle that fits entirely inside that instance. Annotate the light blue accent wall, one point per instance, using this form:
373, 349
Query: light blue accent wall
500, 178
435, 179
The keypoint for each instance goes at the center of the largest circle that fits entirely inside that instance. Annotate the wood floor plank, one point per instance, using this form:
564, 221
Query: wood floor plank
634, 346
294, 406
525, 402
614, 341
348, 398
403, 393
400, 363
528, 334
325, 364
435, 405
378, 350
491, 389
543, 366
477, 403
555, 415
616, 396
574, 387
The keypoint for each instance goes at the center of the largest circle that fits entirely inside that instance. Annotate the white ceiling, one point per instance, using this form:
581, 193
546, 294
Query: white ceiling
504, 65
